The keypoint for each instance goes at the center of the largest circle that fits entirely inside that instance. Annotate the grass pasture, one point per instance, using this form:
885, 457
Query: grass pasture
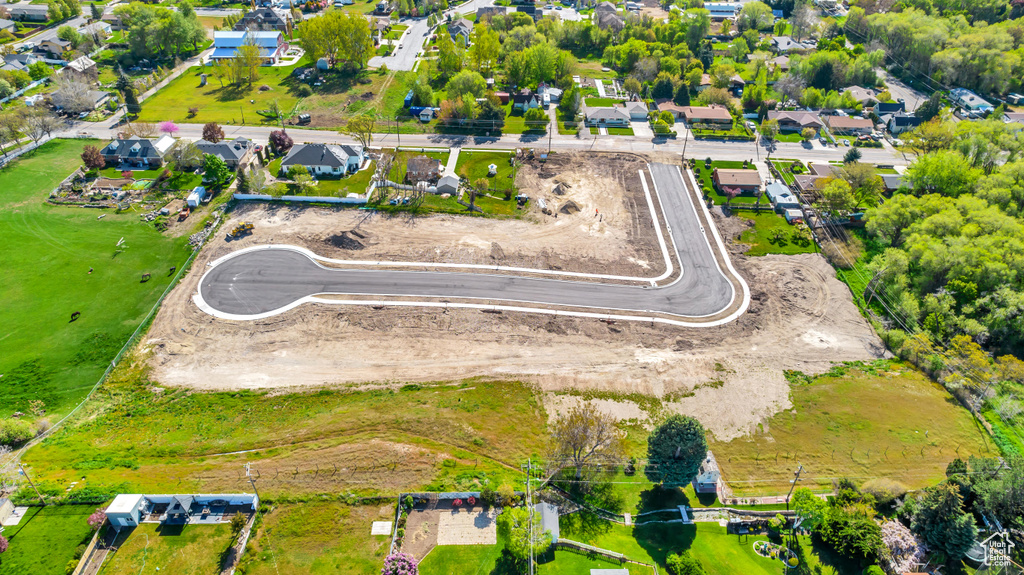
45, 277
44, 542
761, 236
473, 166
152, 549
341, 543
836, 430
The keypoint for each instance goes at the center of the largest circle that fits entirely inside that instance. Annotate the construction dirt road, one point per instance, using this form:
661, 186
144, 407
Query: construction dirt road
730, 377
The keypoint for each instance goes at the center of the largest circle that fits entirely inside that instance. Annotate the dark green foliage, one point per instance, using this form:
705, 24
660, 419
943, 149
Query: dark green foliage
852, 155
851, 533
675, 451
682, 97
942, 522
684, 564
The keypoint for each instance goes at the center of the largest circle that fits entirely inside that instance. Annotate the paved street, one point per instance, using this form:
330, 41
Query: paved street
267, 280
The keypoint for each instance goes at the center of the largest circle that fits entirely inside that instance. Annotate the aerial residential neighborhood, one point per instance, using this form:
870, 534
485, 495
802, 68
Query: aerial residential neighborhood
446, 287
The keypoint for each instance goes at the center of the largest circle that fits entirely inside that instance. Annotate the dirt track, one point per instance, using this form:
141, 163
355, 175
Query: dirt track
801, 318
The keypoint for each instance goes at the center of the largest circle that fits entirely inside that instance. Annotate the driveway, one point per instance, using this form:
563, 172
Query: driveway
404, 58
642, 129
912, 99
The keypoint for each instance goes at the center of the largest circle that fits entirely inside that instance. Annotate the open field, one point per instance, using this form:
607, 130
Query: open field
761, 236
46, 276
153, 549
340, 542
45, 540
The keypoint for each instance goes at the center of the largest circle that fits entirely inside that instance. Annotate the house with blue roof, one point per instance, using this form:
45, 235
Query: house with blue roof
271, 44
781, 197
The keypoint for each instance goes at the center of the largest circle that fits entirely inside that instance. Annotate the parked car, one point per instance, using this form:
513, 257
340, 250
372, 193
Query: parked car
846, 142
304, 118
83, 115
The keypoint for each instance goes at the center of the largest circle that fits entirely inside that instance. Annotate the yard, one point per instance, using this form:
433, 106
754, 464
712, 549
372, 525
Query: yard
772, 234
704, 179
596, 102
465, 560
186, 550
45, 540
68, 260
340, 543
473, 166
356, 183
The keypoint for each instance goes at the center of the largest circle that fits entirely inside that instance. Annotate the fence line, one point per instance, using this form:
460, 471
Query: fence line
317, 199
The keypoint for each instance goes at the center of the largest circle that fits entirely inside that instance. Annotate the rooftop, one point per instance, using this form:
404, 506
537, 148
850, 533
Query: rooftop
737, 177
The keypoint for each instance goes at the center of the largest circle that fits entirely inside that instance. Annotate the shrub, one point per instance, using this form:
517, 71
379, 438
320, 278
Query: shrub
96, 519
884, 490
408, 502
192, 111
237, 522
684, 564
16, 431
399, 564
874, 570
488, 496
506, 493
305, 91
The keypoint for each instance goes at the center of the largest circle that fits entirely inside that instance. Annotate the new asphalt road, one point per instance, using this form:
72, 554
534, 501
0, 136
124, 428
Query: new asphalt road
261, 282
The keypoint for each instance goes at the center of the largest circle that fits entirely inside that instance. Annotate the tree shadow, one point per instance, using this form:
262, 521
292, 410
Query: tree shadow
507, 565
584, 525
660, 542
166, 530
659, 497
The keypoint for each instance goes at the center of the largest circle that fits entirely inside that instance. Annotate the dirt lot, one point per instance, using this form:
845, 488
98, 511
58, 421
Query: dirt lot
801, 317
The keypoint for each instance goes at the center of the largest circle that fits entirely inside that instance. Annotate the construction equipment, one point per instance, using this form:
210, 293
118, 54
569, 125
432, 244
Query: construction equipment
241, 229
184, 213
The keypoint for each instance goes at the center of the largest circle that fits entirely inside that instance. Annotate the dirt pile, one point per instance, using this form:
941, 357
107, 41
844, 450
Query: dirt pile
345, 241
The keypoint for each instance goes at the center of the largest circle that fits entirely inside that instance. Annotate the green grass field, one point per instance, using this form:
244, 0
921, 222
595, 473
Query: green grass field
45, 540
45, 277
761, 236
340, 543
187, 550
465, 560
473, 166
597, 101
836, 429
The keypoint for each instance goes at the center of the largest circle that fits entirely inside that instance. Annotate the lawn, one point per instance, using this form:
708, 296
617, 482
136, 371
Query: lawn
226, 105
601, 102
836, 429
465, 560
620, 131
473, 166
704, 178
337, 187
44, 542
186, 550
167, 441
789, 137
763, 240
42, 355
339, 543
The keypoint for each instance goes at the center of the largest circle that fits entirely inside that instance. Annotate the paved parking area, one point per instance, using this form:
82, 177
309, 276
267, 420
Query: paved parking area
642, 129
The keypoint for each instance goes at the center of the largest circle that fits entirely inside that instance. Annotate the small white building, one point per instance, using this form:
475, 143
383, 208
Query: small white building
196, 197
708, 479
126, 510
448, 184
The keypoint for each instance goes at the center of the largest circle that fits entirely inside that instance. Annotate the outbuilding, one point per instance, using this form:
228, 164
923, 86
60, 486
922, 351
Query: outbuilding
781, 197
126, 510
196, 197
6, 509
448, 185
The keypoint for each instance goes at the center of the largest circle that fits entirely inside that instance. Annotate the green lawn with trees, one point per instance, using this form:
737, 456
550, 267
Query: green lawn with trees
46, 540
159, 548
66, 260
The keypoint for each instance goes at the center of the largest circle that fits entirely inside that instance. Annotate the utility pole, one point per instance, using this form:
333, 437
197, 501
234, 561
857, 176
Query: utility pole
36, 489
796, 478
252, 482
529, 503
551, 128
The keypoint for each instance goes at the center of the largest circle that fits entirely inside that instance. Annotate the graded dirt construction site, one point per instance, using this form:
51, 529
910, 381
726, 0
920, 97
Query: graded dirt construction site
730, 377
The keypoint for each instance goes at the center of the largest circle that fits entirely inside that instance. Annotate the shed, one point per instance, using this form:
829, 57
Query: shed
126, 510
548, 519
180, 508
196, 197
448, 184
502, 97
794, 216
6, 509
781, 197
408, 99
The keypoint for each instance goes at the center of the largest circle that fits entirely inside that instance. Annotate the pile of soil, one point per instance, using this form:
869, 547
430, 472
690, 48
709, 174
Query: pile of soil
569, 208
345, 241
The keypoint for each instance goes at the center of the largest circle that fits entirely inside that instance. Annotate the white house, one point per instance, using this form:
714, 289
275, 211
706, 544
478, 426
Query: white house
606, 117
709, 479
325, 159
126, 510
271, 44
970, 101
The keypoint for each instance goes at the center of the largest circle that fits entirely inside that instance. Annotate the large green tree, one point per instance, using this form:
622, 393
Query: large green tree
514, 529
943, 523
675, 451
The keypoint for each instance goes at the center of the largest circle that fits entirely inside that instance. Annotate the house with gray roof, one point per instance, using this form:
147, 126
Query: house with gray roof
461, 29
25, 12
785, 45
8, 25
325, 159
781, 197
709, 478
266, 19
136, 152
235, 153
19, 61
606, 116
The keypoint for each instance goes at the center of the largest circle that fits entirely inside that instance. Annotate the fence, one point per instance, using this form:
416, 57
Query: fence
25, 89
314, 199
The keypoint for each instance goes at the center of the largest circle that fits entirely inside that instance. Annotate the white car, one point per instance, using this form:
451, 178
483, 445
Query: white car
846, 142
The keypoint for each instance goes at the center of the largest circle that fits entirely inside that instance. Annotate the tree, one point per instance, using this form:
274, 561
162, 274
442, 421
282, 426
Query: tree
280, 141
583, 435
516, 69
1003, 494
72, 94
97, 519
851, 155
942, 522
682, 97
131, 103
683, 564
39, 123
769, 129
491, 114
514, 529
808, 134
245, 66
215, 170
212, 132
931, 137
237, 522
466, 83
930, 108
95, 11
739, 49
837, 199
399, 564
804, 22
3, 544
485, 49
663, 87
946, 172
338, 37
632, 86
185, 155
168, 127
361, 128
536, 119
92, 158
570, 103
68, 34
450, 58
809, 508
754, 16
675, 451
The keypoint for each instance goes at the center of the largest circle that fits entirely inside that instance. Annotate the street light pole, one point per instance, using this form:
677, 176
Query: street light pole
36, 489
796, 478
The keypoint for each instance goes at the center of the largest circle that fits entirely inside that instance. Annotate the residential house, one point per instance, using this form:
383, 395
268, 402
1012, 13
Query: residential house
781, 197
83, 67
485, 13
54, 46
746, 181
709, 478
883, 108
324, 159
705, 83
780, 63
637, 111
973, 105
114, 20
271, 44
849, 125
549, 94
863, 96
795, 120
422, 169
548, 514
713, 116
900, 122
265, 19
99, 29
380, 27
19, 61
383, 8
97, 98
785, 45
723, 10
237, 152
1014, 118
525, 99
461, 30
8, 25
892, 182
606, 117
25, 12
136, 152
810, 183
610, 21
666, 105
605, 7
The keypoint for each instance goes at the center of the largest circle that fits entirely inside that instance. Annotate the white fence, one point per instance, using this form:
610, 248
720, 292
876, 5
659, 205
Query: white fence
315, 199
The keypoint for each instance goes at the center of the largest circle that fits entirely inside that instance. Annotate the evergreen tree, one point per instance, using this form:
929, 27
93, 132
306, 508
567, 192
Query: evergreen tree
682, 97
942, 522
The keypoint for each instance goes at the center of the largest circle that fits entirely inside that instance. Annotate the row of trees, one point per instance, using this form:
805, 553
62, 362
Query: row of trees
155, 31
338, 36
